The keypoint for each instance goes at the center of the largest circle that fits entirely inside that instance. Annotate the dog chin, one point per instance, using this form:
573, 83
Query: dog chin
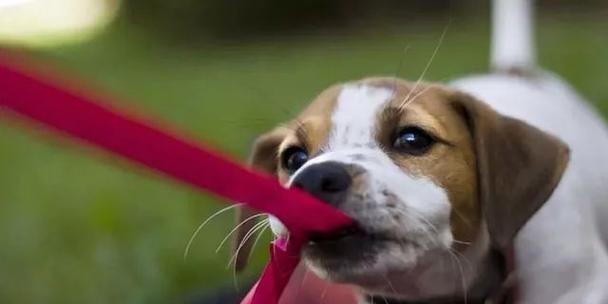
359, 259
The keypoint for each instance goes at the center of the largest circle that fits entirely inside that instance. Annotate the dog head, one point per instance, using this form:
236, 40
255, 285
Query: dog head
426, 172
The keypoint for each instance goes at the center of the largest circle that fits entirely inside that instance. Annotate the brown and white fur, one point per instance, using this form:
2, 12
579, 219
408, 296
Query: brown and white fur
432, 224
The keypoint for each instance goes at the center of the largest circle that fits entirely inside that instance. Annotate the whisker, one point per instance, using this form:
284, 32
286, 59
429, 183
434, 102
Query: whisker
462, 278
247, 236
236, 228
255, 242
430, 86
454, 255
287, 238
406, 100
304, 277
398, 72
433, 227
324, 293
236, 253
200, 227
302, 131
464, 219
466, 260
424, 219
388, 282
288, 111
257, 239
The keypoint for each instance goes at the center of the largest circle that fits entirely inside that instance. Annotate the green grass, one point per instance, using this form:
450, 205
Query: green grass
77, 226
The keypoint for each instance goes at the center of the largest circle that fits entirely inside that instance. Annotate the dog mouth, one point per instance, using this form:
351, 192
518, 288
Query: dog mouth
354, 231
349, 245
336, 235
338, 253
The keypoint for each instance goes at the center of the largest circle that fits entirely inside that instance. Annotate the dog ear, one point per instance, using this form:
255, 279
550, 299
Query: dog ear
263, 158
518, 167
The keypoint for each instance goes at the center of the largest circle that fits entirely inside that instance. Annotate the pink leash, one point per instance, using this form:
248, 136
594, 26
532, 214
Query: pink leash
91, 119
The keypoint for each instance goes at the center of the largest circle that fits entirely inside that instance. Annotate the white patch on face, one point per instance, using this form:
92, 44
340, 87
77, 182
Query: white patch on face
355, 116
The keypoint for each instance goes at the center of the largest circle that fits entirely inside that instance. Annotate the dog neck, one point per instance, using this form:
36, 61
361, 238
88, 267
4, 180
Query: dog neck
492, 286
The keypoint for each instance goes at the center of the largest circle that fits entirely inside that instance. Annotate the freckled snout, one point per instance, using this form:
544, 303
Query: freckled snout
327, 181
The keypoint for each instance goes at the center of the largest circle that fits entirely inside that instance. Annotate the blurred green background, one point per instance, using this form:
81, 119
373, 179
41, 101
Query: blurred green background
77, 226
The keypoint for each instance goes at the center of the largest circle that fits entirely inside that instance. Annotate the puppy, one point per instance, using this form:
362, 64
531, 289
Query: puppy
445, 182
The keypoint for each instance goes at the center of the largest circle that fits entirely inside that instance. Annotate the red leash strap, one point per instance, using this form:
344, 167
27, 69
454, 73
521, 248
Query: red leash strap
284, 258
92, 120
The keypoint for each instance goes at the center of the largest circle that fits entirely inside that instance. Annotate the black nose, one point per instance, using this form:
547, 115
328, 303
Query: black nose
328, 181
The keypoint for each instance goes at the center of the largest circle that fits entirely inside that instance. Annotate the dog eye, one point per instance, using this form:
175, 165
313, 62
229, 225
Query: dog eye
413, 140
293, 158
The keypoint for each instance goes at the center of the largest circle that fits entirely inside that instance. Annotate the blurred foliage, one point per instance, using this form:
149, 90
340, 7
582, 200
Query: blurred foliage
81, 229
193, 19
198, 20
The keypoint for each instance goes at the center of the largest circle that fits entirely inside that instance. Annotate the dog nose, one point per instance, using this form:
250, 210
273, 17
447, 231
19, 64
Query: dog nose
327, 181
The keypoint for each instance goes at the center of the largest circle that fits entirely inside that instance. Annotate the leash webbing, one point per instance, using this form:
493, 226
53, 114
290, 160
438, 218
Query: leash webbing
90, 118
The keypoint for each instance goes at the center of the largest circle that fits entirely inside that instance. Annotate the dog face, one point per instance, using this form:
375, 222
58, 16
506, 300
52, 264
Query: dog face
385, 166
425, 172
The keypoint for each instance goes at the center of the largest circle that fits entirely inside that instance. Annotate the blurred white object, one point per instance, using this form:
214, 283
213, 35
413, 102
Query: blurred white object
6, 3
52, 22
512, 34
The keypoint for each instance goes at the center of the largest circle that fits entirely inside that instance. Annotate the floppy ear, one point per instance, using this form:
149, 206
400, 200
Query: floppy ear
263, 158
518, 167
